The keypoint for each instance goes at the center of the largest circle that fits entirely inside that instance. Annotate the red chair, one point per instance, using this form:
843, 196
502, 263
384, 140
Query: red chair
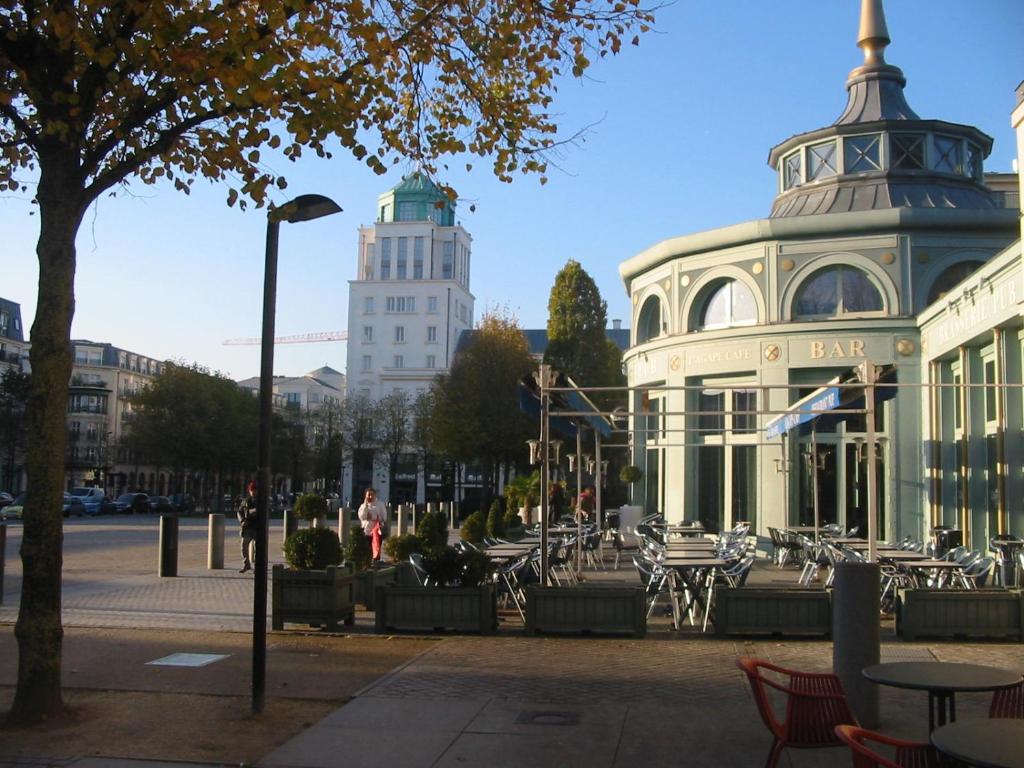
1009, 702
908, 754
815, 705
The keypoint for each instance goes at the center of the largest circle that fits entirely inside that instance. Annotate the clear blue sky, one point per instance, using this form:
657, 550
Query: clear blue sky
682, 129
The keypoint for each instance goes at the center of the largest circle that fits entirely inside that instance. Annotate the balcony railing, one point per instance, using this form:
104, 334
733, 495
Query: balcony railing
84, 382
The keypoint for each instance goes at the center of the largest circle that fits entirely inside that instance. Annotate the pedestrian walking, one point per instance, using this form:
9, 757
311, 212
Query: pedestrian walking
247, 526
373, 516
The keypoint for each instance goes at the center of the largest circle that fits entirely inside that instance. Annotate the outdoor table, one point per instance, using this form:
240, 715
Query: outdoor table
860, 544
802, 528
956, 570
899, 554
942, 680
688, 570
688, 554
690, 544
988, 743
507, 551
685, 530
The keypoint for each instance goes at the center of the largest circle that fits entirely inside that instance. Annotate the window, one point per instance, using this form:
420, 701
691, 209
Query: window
861, 153
744, 412
821, 161
711, 420
399, 334
950, 277
367, 363
367, 334
463, 313
401, 262
293, 398
974, 167
447, 260
908, 151
792, 173
947, 155
401, 304
368, 262
5, 320
837, 291
649, 325
990, 390
431, 334
432, 304
85, 356
431, 361
406, 211
417, 258
385, 211
368, 305
399, 361
385, 258
731, 303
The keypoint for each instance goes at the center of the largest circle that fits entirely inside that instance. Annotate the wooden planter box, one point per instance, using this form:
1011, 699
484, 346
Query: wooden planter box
313, 597
985, 613
586, 609
434, 609
757, 611
367, 582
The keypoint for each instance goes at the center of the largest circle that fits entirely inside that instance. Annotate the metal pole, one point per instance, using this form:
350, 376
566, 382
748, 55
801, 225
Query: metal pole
545, 371
3, 558
167, 562
215, 542
814, 480
871, 444
579, 491
1000, 397
259, 599
598, 479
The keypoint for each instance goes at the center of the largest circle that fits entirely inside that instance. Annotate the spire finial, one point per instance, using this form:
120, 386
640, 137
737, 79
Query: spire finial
873, 35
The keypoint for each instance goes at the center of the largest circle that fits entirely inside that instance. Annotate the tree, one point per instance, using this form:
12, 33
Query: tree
394, 413
94, 93
421, 430
14, 388
328, 444
360, 435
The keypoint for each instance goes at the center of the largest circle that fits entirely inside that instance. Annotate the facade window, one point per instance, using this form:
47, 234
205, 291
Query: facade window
837, 291
122, 359
367, 334
463, 313
293, 398
947, 155
400, 304
908, 151
5, 320
402, 258
368, 305
822, 161
974, 167
76, 428
385, 258
792, 171
399, 334
85, 356
367, 363
711, 420
385, 212
368, 262
431, 333
431, 361
862, 153
732, 303
649, 324
432, 304
744, 413
950, 277
958, 416
399, 361
447, 260
406, 211
417, 258
990, 390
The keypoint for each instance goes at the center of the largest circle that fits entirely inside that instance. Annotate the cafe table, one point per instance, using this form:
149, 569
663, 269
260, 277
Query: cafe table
691, 544
691, 571
987, 743
939, 570
507, 551
942, 680
900, 555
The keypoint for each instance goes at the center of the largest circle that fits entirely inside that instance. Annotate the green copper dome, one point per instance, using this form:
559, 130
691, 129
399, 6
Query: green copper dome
416, 198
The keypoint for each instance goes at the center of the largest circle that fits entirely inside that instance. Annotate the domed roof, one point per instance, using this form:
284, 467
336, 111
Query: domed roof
879, 153
417, 183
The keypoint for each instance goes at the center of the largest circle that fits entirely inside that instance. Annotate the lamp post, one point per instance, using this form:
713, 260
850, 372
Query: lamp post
302, 208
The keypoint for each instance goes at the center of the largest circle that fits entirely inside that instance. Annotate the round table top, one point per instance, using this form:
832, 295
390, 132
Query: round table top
941, 676
989, 743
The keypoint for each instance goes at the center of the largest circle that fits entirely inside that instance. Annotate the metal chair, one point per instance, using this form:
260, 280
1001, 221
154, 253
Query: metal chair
655, 579
905, 754
1008, 702
416, 561
815, 705
976, 574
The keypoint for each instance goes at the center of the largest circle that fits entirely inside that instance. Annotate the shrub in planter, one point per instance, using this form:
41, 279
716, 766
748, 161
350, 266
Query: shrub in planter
433, 530
630, 474
311, 506
358, 551
450, 567
512, 520
474, 528
313, 549
496, 518
398, 548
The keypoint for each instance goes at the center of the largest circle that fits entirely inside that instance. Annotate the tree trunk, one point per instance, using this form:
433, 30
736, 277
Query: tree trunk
38, 629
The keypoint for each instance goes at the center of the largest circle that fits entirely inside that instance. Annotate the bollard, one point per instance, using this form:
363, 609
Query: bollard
415, 516
289, 524
215, 542
344, 525
402, 512
3, 555
168, 560
431, 507
856, 638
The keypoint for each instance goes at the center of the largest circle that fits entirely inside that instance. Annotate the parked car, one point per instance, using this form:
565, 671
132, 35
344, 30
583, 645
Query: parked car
14, 509
161, 505
5, 499
73, 506
184, 503
132, 504
94, 499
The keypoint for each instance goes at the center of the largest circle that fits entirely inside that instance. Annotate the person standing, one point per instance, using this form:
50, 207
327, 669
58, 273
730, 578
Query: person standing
373, 516
247, 526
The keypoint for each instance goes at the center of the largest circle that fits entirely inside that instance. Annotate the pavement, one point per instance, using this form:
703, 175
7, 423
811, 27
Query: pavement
501, 700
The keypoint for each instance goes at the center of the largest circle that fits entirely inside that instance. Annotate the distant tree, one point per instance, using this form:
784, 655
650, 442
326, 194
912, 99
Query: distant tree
360, 434
421, 429
326, 425
14, 389
394, 414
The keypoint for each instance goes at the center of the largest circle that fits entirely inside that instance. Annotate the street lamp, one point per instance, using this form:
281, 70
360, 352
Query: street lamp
302, 208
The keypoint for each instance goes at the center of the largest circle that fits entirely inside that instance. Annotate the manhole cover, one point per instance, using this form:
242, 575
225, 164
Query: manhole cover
548, 718
187, 660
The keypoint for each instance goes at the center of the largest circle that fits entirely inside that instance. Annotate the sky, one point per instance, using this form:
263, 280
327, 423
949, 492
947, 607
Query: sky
677, 140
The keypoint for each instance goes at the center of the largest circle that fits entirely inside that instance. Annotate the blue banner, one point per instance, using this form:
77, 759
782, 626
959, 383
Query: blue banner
803, 411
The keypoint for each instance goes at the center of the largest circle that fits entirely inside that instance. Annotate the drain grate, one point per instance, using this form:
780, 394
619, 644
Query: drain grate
548, 717
187, 660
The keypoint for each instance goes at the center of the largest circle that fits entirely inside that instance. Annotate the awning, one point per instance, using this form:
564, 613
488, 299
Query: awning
570, 402
803, 410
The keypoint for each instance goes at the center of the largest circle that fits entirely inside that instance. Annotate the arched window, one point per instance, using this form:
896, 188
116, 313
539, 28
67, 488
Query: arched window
649, 325
727, 304
837, 290
950, 277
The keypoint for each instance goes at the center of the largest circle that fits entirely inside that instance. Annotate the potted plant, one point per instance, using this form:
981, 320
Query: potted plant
474, 528
311, 507
523, 494
460, 596
315, 589
630, 474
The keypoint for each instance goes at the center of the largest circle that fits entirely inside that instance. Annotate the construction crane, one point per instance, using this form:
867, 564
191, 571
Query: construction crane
300, 338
